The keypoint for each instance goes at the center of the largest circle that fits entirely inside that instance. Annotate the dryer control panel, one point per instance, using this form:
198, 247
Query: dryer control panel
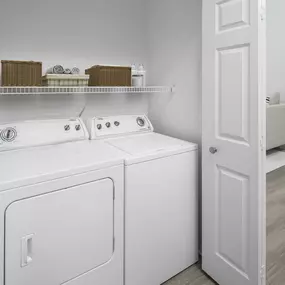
41, 132
106, 127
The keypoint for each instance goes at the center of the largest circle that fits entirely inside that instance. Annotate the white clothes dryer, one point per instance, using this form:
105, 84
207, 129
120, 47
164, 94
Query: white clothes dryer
62, 205
161, 234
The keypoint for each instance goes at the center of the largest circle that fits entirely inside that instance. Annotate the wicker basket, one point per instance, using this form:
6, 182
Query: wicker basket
21, 73
109, 75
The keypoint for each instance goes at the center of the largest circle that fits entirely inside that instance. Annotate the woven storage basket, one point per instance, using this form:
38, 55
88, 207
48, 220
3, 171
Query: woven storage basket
21, 73
65, 80
109, 75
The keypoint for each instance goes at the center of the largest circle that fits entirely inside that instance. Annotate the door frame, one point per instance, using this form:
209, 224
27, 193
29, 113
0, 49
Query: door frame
262, 114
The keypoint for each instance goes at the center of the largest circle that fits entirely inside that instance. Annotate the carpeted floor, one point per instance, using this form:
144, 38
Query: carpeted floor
191, 276
276, 227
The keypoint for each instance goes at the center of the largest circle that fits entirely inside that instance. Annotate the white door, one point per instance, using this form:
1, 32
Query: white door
53, 238
233, 178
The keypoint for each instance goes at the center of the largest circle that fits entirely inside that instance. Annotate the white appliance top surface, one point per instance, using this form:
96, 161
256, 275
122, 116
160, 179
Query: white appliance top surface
38, 164
150, 146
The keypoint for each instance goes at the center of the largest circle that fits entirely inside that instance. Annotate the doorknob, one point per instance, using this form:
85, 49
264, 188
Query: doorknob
213, 150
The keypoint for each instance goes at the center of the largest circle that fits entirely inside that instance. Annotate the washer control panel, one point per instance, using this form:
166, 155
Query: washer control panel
41, 132
104, 127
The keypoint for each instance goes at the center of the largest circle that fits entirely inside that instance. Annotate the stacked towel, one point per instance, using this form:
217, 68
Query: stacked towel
67, 71
57, 69
75, 70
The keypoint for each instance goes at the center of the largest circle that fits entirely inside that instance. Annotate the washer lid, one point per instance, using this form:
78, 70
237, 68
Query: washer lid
150, 146
39, 164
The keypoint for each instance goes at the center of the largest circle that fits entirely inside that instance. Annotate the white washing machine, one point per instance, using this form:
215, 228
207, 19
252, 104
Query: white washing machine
62, 206
161, 235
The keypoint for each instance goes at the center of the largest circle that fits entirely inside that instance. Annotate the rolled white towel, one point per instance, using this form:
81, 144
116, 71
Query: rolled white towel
67, 71
49, 70
57, 69
75, 70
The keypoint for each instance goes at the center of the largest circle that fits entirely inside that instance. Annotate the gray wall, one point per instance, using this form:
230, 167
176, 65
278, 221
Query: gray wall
275, 47
175, 55
174, 30
73, 33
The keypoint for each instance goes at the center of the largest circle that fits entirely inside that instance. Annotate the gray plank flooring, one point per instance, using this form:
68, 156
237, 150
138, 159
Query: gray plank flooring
191, 276
276, 227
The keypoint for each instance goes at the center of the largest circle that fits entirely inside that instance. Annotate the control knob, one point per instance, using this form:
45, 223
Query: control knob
99, 126
117, 124
108, 124
8, 134
77, 127
67, 128
140, 122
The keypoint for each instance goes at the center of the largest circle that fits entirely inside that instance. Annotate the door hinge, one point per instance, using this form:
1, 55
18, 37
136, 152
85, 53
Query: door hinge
262, 144
262, 14
262, 274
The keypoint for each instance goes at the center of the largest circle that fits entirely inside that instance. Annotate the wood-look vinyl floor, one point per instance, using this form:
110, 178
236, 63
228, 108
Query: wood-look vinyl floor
191, 276
276, 227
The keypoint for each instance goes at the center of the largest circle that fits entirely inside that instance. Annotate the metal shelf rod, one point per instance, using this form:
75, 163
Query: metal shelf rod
83, 90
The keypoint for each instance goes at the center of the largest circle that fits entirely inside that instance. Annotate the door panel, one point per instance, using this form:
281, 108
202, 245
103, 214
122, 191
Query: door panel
52, 238
233, 93
232, 14
232, 223
233, 184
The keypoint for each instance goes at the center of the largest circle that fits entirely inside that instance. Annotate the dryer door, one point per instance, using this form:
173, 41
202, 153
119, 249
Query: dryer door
52, 238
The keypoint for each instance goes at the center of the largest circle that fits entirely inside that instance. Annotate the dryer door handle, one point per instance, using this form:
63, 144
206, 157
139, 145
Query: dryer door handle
27, 250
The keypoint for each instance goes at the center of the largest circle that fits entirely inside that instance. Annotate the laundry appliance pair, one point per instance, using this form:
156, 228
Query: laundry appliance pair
118, 209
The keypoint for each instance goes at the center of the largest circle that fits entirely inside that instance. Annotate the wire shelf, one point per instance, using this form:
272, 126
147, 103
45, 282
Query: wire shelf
82, 90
